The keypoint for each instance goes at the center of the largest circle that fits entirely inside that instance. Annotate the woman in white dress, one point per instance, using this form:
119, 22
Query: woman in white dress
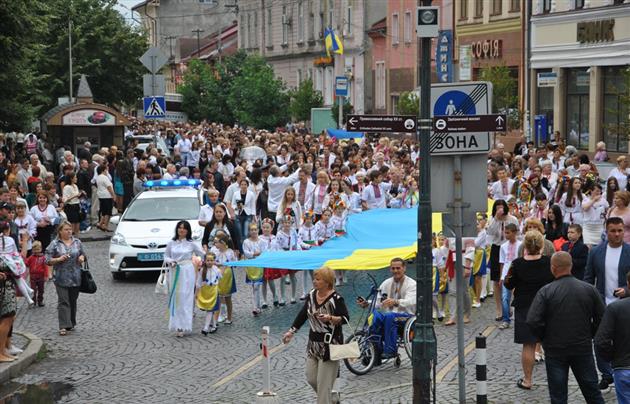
595, 207
178, 255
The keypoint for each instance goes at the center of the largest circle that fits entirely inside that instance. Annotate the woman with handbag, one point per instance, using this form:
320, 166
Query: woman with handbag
325, 311
65, 254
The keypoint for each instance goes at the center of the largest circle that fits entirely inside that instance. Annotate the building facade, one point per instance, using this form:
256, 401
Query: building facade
289, 34
580, 52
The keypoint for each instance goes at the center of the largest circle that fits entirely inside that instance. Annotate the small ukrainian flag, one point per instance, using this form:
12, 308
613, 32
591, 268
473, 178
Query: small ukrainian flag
332, 42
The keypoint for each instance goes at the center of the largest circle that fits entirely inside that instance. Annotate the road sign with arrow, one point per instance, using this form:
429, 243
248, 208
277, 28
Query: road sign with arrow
470, 123
382, 123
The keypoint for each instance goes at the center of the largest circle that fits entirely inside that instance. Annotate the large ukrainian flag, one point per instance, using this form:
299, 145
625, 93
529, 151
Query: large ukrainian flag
332, 42
372, 239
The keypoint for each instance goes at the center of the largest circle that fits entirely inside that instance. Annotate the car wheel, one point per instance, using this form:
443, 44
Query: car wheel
118, 276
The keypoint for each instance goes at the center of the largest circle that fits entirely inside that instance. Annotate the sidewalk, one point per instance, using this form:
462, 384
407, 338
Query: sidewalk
94, 234
32, 345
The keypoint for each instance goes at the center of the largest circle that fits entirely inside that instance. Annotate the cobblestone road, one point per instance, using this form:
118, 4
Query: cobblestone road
122, 352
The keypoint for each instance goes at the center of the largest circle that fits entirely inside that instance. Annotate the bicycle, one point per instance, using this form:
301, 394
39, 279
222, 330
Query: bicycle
368, 341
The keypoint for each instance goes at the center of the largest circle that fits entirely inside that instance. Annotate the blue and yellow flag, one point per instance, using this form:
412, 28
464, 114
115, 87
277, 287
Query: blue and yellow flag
332, 42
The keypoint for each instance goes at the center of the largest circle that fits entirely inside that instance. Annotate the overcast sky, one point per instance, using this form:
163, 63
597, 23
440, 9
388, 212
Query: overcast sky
126, 11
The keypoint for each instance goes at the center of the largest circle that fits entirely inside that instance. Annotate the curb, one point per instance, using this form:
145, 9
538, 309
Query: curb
88, 239
26, 358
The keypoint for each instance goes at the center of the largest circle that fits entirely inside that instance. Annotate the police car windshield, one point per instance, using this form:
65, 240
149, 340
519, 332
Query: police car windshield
156, 209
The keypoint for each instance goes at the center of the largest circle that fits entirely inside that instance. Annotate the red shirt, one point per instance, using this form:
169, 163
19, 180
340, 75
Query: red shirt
37, 266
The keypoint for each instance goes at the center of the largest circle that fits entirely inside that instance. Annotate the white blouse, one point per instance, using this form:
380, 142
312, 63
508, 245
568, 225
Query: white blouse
181, 250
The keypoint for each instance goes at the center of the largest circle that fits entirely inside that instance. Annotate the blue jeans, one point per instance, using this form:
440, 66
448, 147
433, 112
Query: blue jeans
584, 371
506, 297
385, 325
622, 385
243, 225
604, 368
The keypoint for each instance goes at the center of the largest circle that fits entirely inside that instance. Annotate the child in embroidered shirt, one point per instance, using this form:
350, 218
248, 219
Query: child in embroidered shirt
38, 271
227, 284
252, 248
288, 240
324, 228
269, 275
207, 296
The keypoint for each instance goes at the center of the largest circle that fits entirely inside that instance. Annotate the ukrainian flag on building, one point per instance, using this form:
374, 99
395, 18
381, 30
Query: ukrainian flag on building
332, 42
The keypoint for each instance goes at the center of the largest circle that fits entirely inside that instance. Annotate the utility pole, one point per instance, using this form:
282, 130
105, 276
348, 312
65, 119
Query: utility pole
220, 46
70, 56
170, 45
424, 342
198, 31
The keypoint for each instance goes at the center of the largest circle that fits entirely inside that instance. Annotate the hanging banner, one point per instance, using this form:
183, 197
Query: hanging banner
465, 63
444, 56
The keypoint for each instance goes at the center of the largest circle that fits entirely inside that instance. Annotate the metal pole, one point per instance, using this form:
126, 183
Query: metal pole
198, 31
266, 395
459, 275
424, 343
481, 373
220, 46
70, 57
527, 112
340, 101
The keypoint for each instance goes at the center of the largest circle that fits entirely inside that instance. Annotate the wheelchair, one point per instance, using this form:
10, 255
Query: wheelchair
370, 343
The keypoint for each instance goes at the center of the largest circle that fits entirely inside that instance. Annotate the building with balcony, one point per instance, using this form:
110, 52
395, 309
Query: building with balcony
290, 36
580, 52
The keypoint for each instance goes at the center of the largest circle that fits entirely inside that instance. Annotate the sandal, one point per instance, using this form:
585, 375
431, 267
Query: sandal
63, 332
520, 385
450, 322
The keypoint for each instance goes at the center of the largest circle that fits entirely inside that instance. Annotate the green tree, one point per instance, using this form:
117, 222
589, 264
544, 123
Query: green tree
257, 97
504, 92
104, 48
303, 98
347, 110
618, 124
408, 104
197, 90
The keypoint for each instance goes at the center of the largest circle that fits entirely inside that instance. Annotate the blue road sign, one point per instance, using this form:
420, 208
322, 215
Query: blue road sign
341, 86
154, 107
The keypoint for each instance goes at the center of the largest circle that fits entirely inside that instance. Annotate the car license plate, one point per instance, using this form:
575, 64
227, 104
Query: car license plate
155, 256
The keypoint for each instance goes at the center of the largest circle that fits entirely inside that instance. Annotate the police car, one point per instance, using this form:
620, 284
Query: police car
148, 224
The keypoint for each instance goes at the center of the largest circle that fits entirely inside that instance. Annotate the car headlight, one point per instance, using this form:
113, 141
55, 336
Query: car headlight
197, 234
118, 239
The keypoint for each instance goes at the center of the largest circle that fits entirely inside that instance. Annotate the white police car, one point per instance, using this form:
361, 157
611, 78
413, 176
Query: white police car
148, 224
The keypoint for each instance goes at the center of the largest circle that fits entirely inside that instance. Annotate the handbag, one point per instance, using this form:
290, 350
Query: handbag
344, 351
87, 281
161, 286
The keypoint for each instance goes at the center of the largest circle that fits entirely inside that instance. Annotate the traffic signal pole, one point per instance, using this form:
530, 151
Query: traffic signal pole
424, 342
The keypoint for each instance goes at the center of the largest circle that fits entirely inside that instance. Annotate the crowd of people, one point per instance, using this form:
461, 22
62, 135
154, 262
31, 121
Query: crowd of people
553, 217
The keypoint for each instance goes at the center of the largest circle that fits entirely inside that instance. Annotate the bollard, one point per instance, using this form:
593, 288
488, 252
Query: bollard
481, 371
266, 395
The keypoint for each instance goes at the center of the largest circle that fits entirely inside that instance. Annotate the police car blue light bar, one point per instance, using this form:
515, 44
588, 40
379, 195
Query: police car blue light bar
171, 183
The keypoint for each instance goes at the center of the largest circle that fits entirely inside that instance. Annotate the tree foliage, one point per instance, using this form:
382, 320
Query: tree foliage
34, 70
504, 93
303, 98
408, 104
347, 110
242, 89
620, 125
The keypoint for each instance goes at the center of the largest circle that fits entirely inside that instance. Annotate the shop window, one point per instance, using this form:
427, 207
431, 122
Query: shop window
577, 118
616, 109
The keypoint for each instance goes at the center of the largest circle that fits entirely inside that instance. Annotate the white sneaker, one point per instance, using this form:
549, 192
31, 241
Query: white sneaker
221, 318
476, 305
13, 350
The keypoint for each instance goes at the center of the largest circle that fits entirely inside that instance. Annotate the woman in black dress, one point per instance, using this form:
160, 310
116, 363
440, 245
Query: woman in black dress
526, 276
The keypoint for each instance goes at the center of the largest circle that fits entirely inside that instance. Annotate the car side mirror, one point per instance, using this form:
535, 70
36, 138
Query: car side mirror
115, 220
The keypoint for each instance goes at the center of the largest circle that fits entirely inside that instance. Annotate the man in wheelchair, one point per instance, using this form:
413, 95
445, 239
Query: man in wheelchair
396, 300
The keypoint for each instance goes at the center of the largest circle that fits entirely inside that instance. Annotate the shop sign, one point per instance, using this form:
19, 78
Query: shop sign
547, 79
488, 49
465, 63
582, 79
89, 117
596, 31
323, 61
444, 56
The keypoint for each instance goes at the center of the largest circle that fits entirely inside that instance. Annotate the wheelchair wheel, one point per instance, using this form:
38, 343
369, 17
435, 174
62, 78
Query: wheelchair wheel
365, 362
410, 329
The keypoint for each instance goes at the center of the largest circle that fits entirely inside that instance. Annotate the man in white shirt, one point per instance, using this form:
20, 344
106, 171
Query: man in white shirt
396, 299
207, 211
276, 185
502, 188
171, 172
507, 254
373, 195
607, 267
304, 189
620, 172
239, 174
184, 145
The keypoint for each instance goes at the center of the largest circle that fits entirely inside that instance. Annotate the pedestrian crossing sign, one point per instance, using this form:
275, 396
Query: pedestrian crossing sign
154, 107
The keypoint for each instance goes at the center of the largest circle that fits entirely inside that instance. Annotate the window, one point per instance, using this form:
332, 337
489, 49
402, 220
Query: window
395, 99
255, 43
348, 21
463, 9
546, 6
300, 23
497, 6
380, 87
395, 29
285, 26
617, 2
318, 80
515, 5
407, 27
322, 25
269, 27
578, 81
615, 109
478, 8
311, 22
331, 13
579, 4
298, 77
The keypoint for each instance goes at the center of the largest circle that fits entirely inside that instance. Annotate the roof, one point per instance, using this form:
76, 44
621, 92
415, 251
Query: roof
379, 27
84, 90
210, 49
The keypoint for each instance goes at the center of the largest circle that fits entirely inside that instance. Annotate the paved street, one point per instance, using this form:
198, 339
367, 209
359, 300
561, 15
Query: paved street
122, 352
